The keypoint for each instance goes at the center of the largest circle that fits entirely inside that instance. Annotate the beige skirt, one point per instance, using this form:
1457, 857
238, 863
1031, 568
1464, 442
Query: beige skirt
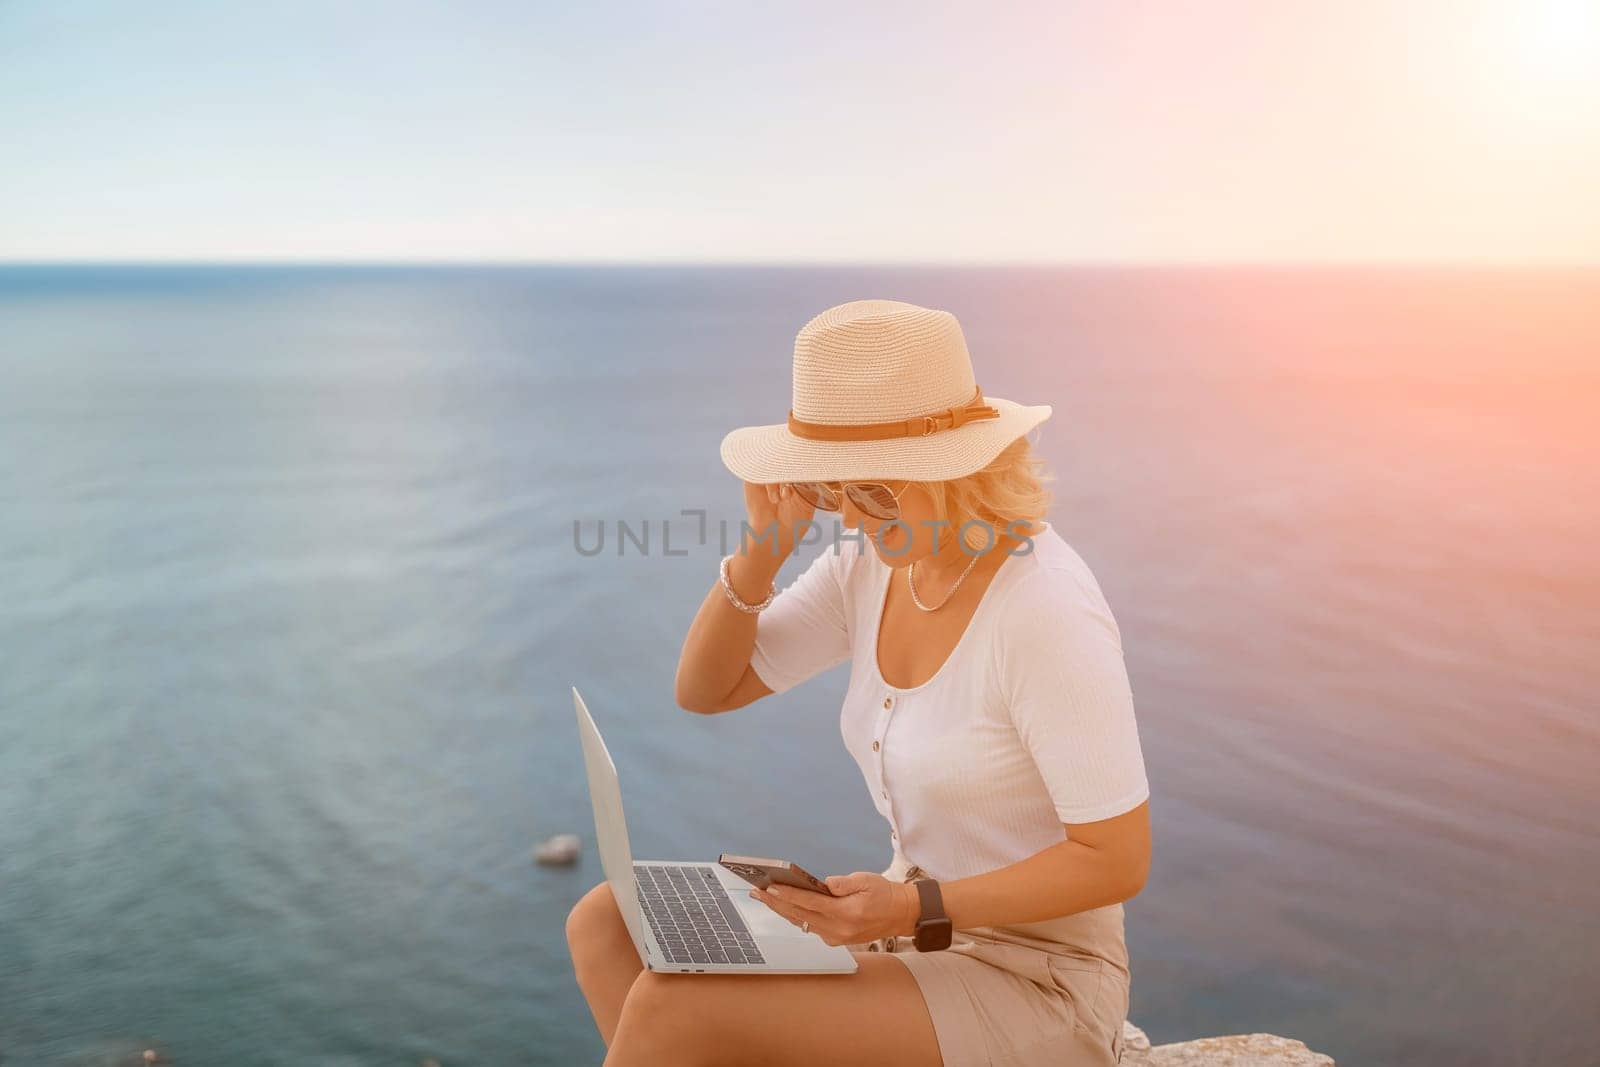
1002, 996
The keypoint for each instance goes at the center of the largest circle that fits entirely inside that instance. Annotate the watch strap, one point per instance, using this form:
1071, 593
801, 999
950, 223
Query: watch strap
933, 927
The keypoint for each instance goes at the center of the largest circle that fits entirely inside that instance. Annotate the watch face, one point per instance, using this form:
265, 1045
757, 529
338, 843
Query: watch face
932, 935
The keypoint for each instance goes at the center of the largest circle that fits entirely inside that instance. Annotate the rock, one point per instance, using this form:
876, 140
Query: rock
559, 848
1236, 1050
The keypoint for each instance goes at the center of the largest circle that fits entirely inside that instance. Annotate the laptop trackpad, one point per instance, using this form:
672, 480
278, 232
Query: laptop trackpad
763, 921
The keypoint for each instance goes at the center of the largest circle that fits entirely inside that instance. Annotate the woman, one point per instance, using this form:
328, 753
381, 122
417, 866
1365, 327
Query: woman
988, 708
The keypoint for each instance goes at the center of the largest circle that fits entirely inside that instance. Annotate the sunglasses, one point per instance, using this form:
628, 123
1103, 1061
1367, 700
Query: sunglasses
873, 499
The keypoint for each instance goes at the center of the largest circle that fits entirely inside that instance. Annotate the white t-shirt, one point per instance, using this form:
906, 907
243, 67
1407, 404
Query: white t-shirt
1027, 725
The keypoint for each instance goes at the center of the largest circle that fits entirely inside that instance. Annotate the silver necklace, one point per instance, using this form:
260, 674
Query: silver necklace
911, 582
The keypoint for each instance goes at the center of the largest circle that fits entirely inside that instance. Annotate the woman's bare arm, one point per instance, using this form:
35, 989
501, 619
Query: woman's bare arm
1099, 863
714, 672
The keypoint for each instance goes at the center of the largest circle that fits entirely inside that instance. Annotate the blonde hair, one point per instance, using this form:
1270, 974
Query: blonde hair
1009, 490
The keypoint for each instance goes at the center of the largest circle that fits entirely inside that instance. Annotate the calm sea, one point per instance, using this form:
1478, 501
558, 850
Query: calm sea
290, 606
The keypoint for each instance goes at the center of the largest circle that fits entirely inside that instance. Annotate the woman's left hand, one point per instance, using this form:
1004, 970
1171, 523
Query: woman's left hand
864, 907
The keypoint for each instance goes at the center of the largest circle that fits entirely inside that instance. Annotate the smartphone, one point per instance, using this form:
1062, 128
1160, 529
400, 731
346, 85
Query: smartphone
764, 872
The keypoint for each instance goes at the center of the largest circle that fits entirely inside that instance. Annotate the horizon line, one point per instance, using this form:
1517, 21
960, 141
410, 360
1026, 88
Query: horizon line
931, 264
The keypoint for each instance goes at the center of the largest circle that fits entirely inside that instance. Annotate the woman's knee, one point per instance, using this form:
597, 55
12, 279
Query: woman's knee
655, 994
666, 1013
595, 924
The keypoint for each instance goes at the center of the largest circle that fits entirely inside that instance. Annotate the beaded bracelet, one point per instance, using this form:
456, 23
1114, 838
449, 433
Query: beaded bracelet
733, 598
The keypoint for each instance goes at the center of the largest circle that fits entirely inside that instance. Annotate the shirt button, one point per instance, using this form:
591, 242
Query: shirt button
884, 793
887, 701
874, 746
893, 834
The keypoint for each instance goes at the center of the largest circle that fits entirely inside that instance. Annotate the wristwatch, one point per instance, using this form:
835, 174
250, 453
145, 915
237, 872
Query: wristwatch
933, 928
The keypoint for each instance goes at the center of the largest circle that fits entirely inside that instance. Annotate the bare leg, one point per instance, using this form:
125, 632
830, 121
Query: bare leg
875, 1016
603, 956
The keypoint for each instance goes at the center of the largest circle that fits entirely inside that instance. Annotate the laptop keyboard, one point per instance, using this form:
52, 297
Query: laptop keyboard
692, 916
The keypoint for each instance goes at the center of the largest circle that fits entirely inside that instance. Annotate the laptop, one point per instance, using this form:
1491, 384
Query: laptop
686, 917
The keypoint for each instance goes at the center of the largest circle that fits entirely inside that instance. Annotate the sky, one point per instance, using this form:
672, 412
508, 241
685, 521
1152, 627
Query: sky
1118, 131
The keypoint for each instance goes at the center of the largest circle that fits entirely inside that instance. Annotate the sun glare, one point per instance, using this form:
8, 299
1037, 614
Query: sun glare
1538, 67
1561, 38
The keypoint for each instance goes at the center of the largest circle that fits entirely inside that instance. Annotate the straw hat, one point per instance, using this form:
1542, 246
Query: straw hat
882, 389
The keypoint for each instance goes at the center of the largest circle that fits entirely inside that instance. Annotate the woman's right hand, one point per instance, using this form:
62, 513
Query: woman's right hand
777, 508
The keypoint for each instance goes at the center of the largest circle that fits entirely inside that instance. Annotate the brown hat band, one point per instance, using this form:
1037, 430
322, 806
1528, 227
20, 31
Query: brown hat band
919, 426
